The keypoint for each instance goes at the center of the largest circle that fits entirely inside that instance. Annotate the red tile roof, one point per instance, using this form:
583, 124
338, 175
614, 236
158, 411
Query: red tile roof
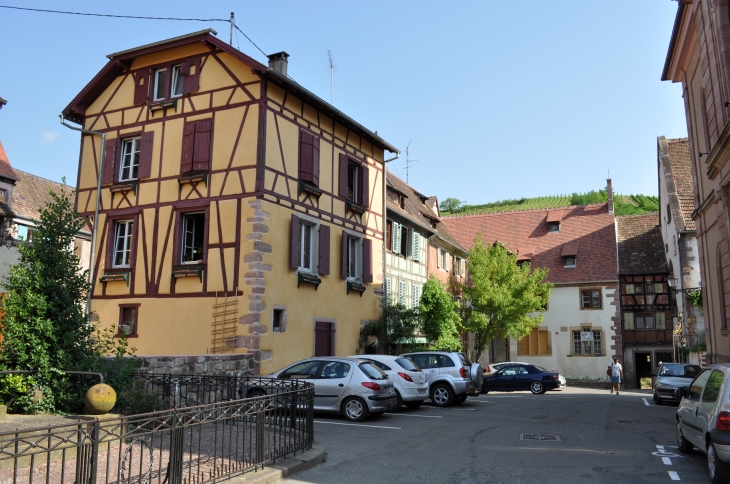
555, 216
589, 226
5, 169
640, 244
30, 194
681, 166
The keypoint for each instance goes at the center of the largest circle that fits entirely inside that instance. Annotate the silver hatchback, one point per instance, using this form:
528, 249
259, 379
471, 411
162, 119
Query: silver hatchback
350, 386
703, 419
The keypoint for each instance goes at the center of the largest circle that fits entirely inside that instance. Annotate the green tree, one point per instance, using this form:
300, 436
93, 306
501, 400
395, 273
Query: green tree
441, 321
503, 296
397, 325
450, 204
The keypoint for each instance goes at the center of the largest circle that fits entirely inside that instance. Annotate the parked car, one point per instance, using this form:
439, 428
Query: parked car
496, 366
352, 387
670, 377
703, 419
514, 377
451, 376
411, 386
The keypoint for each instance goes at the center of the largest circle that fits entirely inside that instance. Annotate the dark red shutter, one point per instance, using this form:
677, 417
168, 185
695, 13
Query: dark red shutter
364, 185
185, 68
141, 86
306, 163
315, 161
191, 83
201, 151
367, 260
343, 268
324, 250
186, 163
323, 338
145, 154
343, 175
110, 160
294, 257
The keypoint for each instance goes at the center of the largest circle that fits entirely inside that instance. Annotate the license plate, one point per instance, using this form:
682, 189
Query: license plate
421, 392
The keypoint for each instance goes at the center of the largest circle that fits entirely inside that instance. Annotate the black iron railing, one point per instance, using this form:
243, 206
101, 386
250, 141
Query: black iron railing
184, 445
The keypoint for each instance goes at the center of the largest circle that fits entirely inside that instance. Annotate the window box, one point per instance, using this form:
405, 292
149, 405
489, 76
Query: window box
308, 278
188, 271
123, 187
306, 187
159, 106
356, 286
351, 206
195, 178
115, 276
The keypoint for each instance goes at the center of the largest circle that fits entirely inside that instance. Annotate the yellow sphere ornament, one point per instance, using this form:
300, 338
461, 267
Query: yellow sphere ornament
100, 399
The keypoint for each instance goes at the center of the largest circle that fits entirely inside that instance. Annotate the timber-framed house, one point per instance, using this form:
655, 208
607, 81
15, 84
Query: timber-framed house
239, 212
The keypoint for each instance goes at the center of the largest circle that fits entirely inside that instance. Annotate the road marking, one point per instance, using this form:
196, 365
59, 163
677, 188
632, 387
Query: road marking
357, 425
646, 402
667, 461
674, 476
660, 447
409, 415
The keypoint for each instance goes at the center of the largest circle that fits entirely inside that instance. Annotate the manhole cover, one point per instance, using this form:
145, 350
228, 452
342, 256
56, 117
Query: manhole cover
554, 438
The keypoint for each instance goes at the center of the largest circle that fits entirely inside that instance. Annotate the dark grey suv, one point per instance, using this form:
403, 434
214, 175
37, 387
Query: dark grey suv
451, 376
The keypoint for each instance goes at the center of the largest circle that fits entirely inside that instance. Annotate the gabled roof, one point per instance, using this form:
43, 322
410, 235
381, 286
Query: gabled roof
120, 62
30, 194
679, 181
587, 230
640, 244
6, 170
422, 214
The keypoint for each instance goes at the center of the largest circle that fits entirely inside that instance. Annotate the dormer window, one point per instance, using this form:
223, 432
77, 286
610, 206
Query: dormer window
402, 202
162, 89
570, 261
177, 81
554, 227
160, 84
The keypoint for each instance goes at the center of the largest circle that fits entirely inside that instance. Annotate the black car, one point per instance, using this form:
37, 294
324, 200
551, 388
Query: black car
521, 377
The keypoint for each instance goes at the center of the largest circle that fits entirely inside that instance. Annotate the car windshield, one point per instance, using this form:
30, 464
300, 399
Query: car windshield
465, 361
681, 371
372, 371
407, 364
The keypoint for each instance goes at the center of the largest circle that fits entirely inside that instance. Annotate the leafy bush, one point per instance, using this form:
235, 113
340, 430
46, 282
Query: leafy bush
136, 398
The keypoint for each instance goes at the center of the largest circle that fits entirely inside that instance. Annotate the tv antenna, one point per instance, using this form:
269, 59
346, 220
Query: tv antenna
332, 74
408, 160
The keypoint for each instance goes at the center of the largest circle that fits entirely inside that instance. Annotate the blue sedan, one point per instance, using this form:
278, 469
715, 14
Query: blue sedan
511, 378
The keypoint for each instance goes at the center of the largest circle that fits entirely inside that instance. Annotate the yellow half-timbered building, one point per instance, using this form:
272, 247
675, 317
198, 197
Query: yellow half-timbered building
238, 211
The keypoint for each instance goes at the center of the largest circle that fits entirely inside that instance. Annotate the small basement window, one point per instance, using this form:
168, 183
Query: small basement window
278, 323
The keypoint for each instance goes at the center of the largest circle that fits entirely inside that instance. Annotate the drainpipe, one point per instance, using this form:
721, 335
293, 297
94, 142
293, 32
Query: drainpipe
385, 226
96, 211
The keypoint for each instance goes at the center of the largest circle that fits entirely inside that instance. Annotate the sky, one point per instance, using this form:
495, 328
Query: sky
498, 100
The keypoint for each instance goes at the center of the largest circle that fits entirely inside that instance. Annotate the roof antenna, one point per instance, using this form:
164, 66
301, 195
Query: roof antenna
332, 74
232, 21
408, 160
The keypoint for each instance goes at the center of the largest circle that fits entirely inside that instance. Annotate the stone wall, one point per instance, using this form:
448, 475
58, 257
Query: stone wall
217, 365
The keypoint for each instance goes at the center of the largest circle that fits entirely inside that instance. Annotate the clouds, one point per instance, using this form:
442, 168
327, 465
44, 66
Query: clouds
49, 136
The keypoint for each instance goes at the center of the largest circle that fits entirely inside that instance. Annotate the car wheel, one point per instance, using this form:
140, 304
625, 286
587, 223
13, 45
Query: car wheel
415, 404
684, 445
354, 409
657, 400
719, 470
537, 387
398, 401
460, 400
442, 395
255, 392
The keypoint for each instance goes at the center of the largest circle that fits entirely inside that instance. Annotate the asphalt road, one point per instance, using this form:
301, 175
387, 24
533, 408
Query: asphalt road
603, 439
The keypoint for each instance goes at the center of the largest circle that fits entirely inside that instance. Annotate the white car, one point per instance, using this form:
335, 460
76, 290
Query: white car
496, 366
411, 385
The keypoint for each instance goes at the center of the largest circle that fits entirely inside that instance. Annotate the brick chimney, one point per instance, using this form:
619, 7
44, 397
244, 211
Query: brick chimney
279, 62
609, 191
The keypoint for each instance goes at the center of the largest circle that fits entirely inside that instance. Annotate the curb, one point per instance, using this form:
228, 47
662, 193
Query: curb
283, 467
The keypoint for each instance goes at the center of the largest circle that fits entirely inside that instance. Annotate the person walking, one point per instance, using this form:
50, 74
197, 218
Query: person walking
617, 374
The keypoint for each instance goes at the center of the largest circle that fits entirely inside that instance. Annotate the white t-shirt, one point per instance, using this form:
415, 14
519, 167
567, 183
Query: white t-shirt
616, 369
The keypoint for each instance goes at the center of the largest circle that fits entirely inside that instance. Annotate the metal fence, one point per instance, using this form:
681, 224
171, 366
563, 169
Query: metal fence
185, 445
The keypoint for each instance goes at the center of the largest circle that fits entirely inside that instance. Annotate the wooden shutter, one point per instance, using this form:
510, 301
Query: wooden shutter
201, 151
438, 258
534, 341
306, 160
323, 338
402, 292
294, 250
145, 154
141, 86
416, 246
191, 83
343, 262
367, 260
186, 163
544, 345
324, 249
396, 237
315, 161
343, 175
364, 185
415, 295
388, 289
110, 160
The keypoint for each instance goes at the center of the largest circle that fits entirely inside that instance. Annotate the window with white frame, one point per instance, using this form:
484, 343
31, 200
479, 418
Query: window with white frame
588, 342
445, 260
193, 238
353, 182
176, 89
25, 233
354, 258
129, 167
122, 243
306, 246
160, 84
